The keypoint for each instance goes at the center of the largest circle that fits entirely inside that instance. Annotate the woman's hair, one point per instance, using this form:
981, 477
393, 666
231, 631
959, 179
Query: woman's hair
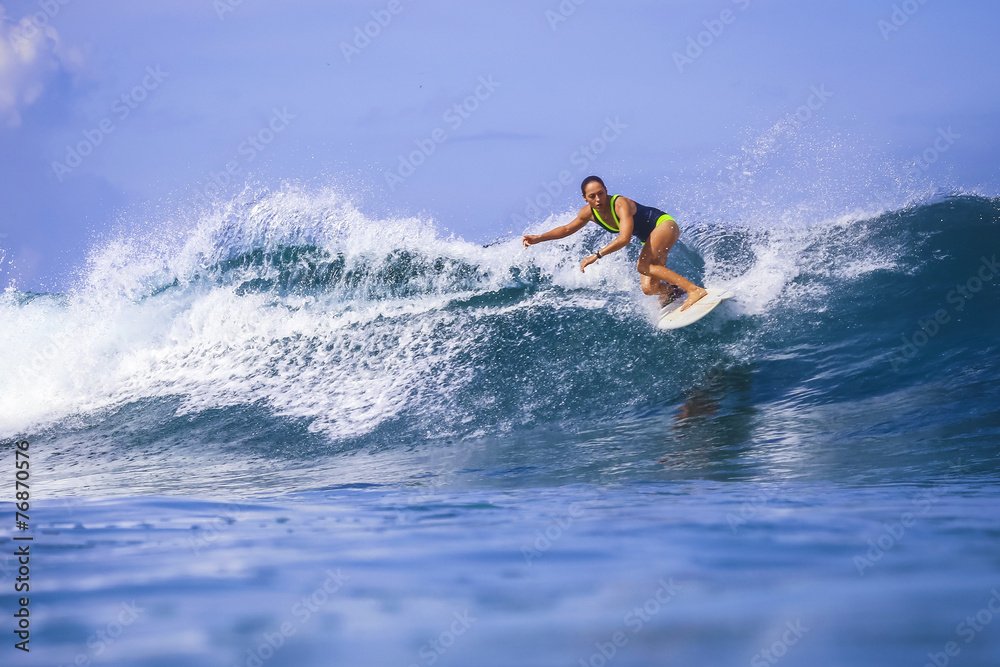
591, 179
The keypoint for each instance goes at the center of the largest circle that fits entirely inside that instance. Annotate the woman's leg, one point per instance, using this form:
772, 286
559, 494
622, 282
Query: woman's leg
650, 285
652, 265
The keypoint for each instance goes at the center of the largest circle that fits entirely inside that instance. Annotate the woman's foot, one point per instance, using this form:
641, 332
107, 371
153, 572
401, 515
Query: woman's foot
693, 297
671, 295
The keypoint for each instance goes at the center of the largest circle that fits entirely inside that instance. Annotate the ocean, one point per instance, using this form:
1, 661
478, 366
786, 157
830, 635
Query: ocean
290, 434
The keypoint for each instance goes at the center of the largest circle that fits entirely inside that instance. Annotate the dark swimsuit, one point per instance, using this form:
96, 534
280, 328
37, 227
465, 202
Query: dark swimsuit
644, 221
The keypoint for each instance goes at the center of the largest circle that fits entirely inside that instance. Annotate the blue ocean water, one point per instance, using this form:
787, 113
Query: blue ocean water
291, 435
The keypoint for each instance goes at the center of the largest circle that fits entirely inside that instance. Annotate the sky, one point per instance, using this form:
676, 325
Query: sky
480, 116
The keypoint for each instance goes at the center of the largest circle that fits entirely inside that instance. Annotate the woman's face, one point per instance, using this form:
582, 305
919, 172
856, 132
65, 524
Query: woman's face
595, 194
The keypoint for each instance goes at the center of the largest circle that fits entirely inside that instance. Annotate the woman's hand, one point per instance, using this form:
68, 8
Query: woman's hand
530, 239
587, 261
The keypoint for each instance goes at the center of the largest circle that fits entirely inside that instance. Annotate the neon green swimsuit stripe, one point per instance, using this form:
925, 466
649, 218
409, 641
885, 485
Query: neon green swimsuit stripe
614, 215
662, 218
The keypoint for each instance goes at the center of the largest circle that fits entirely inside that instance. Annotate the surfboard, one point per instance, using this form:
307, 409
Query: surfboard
672, 317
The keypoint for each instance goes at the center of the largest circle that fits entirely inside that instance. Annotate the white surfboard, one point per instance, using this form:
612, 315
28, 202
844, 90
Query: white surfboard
672, 317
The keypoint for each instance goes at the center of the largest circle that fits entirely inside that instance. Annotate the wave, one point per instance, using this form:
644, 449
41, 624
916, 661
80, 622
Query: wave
294, 307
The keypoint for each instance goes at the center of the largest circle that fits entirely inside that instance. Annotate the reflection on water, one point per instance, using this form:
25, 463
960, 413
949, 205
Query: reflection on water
714, 426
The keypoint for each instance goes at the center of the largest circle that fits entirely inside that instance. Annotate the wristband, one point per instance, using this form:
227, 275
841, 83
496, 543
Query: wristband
598, 253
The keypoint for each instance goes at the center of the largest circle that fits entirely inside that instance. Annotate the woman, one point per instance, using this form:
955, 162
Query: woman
622, 216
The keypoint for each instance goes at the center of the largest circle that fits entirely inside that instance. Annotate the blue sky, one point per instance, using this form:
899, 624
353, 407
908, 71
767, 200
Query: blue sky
662, 98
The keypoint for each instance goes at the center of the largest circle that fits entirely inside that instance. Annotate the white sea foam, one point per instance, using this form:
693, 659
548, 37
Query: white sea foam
162, 316
217, 316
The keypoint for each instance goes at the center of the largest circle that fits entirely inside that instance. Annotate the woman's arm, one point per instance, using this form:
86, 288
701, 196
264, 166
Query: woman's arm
559, 232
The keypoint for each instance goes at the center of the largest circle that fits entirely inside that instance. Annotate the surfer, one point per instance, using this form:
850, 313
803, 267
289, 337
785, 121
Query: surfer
624, 217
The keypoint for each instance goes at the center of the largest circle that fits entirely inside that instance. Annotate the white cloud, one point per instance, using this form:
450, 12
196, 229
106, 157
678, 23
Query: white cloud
30, 55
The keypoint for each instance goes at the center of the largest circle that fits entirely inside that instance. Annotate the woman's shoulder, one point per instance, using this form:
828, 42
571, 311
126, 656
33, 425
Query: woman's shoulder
623, 201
